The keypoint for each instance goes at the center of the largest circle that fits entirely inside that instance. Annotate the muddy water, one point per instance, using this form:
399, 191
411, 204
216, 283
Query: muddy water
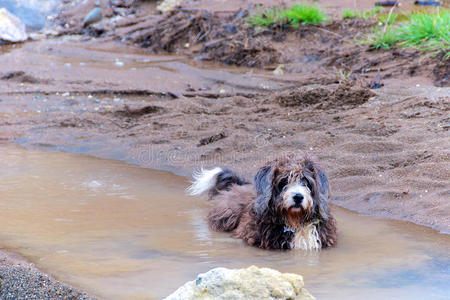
120, 231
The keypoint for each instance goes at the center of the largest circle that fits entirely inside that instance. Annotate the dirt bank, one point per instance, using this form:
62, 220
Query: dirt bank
386, 150
323, 53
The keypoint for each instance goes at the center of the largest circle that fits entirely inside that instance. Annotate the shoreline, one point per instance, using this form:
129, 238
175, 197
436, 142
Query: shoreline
20, 278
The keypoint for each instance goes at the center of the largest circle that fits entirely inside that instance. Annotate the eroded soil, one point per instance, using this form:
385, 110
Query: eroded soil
386, 150
214, 31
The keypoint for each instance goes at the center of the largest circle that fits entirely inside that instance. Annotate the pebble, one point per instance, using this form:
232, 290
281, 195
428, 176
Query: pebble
92, 17
279, 70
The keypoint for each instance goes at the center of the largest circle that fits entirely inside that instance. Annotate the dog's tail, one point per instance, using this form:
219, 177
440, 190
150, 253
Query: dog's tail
213, 181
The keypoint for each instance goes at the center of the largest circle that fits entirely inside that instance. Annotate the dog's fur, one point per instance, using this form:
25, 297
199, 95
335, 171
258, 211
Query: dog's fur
287, 207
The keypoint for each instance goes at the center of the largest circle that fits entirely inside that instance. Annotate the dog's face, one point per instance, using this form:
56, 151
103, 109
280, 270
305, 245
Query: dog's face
295, 190
296, 196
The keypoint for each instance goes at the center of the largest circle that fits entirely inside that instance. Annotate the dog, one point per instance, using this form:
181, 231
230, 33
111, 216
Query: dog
285, 208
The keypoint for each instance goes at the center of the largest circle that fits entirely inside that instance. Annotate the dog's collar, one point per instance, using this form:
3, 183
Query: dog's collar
290, 229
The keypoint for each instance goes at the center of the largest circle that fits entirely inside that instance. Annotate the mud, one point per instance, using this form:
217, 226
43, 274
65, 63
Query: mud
221, 34
385, 149
212, 37
442, 73
326, 49
321, 97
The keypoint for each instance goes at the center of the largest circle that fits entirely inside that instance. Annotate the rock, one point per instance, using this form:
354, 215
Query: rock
279, 70
11, 28
251, 283
92, 17
168, 5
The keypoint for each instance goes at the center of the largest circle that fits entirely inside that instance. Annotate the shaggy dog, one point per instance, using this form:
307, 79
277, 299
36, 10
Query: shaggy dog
285, 208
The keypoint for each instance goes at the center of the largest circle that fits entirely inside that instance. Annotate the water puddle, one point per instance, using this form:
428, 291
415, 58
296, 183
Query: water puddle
123, 232
65, 66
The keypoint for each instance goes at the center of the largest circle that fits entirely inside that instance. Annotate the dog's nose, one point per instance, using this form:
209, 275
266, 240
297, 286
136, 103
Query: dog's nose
298, 199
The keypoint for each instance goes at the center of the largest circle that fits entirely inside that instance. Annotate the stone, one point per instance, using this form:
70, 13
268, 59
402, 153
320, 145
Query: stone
92, 17
251, 283
168, 5
279, 70
11, 28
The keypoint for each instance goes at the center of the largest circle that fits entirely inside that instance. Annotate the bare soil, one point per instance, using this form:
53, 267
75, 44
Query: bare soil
386, 149
219, 33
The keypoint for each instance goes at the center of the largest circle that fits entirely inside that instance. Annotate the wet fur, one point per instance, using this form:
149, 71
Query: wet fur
255, 213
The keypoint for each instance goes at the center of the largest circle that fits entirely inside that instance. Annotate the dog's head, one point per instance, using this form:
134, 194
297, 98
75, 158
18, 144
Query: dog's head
295, 189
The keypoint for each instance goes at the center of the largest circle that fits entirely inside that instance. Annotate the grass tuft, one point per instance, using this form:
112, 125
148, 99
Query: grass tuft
422, 31
366, 14
388, 18
349, 14
302, 13
267, 17
382, 38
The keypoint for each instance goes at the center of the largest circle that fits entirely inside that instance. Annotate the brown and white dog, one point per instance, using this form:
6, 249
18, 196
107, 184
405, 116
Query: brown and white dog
285, 208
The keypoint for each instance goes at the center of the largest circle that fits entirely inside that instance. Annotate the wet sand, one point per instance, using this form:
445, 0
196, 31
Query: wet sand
385, 150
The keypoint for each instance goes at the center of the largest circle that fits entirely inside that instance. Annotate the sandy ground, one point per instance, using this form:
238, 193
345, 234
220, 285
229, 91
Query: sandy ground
385, 149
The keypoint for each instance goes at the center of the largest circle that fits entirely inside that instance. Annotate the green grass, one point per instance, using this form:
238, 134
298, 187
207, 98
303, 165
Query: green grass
388, 18
382, 38
422, 31
268, 17
424, 28
302, 13
366, 14
349, 14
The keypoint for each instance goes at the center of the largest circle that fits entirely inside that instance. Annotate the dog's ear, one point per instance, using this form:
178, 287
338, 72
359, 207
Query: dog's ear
320, 186
263, 185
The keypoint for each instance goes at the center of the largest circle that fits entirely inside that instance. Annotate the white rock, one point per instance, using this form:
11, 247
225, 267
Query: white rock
168, 5
11, 28
251, 283
279, 70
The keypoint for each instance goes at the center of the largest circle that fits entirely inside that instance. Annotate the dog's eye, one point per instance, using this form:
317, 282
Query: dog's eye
283, 182
308, 185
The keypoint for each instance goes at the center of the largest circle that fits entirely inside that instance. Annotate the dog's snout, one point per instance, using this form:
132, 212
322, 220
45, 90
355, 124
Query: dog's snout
298, 199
